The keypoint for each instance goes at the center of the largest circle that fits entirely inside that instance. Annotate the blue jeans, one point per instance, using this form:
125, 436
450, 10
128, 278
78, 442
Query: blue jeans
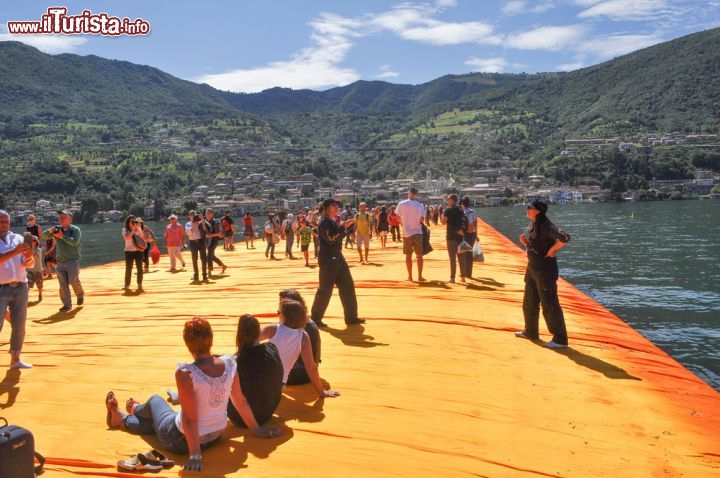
16, 298
289, 240
157, 417
68, 274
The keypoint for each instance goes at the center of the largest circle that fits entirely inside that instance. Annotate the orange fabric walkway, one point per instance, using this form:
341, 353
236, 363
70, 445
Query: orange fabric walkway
435, 384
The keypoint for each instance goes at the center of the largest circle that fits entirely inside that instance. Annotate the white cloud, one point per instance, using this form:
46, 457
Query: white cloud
487, 65
387, 72
622, 9
314, 67
611, 46
570, 66
415, 22
546, 38
514, 7
319, 65
52, 44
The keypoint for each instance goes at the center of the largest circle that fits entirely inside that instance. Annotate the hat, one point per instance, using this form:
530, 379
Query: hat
139, 219
290, 216
64, 211
172, 216
538, 204
329, 202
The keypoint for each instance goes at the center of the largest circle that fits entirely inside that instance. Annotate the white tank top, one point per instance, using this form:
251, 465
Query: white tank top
289, 343
212, 395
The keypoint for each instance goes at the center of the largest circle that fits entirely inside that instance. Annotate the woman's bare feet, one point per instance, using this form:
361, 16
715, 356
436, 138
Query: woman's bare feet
130, 405
114, 415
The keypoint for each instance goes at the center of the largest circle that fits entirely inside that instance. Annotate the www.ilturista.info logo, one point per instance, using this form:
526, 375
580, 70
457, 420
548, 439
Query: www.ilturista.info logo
57, 21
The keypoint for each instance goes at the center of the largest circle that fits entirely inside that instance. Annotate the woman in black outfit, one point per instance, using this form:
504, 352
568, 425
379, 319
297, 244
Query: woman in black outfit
133, 253
260, 371
383, 226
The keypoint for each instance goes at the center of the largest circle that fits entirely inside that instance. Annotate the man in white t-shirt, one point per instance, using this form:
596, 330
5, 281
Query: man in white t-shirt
411, 213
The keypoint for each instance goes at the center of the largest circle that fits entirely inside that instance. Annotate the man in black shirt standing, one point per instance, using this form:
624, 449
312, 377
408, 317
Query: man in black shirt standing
212, 237
333, 268
542, 239
454, 218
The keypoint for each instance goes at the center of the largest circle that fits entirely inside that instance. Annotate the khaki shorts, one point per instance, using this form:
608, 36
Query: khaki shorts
363, 239
413, 243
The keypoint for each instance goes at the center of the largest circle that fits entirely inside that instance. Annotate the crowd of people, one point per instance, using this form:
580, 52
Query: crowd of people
246, 386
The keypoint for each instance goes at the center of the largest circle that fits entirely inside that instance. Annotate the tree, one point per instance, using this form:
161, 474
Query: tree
158, 208
88, 209
308, 190
190, 206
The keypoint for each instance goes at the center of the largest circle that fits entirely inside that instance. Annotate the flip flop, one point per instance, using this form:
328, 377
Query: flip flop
108, 397
159, 457
139, 463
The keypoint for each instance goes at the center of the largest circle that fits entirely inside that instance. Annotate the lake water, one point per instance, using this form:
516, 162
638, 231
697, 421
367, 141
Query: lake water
654, 264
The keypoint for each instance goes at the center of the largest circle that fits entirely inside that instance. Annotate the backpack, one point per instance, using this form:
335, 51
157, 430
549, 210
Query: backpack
17, 453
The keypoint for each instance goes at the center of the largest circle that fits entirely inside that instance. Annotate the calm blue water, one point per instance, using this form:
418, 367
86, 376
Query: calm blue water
654, 264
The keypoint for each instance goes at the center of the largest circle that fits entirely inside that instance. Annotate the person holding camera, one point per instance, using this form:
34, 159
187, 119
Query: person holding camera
16, 256
333, 268
135, 246
214, 235
67, 244
197, 229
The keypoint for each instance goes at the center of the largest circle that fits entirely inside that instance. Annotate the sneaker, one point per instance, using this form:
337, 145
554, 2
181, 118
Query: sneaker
81, 300
554, 345
320, 323
223, 268
451, 281
65, 309
522, 335
355, 321
20, 364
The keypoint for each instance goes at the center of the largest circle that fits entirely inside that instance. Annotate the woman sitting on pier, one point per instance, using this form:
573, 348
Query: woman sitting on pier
292, 341
204, 386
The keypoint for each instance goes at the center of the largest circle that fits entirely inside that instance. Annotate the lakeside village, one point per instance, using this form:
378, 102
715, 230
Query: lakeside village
259, 193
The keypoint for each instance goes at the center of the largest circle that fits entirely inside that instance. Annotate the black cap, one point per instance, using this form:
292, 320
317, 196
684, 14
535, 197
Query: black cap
329, 202
539, 204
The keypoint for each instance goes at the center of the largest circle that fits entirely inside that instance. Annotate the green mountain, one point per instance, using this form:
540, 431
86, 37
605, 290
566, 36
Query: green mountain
121, 134
47, 88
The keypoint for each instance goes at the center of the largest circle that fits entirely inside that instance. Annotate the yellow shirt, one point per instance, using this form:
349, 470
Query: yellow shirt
362, 224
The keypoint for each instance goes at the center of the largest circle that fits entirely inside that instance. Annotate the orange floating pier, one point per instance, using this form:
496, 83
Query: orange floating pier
435, 384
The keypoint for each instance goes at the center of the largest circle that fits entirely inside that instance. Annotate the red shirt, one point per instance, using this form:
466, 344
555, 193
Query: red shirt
393, 219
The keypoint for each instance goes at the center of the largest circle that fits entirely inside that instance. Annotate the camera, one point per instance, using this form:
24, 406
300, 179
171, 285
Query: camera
57, 229
197, 218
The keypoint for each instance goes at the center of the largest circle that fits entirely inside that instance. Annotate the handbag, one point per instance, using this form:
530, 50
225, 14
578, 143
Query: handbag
155, 253
427, 247
17, 453
477, 252
139, 243
464, 248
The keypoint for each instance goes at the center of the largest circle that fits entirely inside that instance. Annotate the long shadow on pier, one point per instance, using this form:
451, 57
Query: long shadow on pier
596, 364
354, 336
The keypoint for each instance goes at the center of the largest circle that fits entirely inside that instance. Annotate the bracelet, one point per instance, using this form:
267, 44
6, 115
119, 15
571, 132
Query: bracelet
196, 456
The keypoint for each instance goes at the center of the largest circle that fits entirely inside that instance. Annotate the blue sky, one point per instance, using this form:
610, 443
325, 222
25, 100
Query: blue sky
248, 46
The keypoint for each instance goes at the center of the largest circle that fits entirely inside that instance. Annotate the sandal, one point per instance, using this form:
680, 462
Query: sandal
139, 463
164, 461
